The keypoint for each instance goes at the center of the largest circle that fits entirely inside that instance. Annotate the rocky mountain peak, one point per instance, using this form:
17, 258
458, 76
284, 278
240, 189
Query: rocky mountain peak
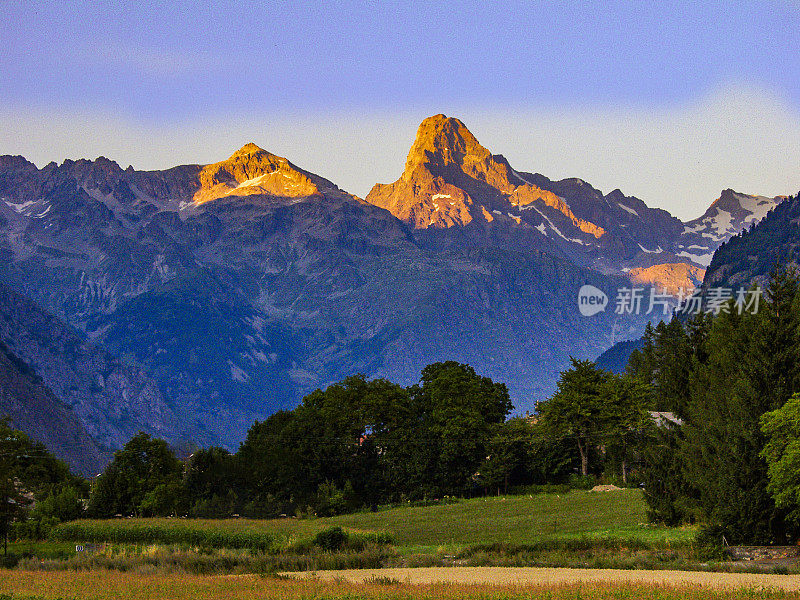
450, 179
251, 170
442, 141
247, 149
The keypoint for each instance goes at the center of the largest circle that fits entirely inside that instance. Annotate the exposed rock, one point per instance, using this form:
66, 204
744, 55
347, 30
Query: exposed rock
253, 171
675, 278
113, 401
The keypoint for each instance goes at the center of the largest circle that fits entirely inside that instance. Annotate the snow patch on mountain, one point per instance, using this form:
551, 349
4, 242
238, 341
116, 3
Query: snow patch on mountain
558, 231
701, 259
658, 250
722, 221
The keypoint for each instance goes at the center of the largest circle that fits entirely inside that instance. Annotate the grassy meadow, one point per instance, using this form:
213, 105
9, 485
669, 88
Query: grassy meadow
515, 520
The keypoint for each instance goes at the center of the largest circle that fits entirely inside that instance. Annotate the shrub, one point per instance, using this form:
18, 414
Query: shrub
331, 539
579, 482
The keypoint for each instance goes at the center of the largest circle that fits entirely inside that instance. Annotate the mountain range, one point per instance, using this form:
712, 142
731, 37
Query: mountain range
192, 301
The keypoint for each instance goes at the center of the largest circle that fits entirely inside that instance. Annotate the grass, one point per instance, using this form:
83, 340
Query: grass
148, 531
513, 520
577, 529
518, 520
19, 585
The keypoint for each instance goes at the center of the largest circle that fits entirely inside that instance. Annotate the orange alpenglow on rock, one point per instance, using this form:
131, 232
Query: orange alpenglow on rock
250, 171
671, 277
451, 179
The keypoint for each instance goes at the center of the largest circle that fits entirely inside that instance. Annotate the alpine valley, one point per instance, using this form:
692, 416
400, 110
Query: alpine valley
190, 302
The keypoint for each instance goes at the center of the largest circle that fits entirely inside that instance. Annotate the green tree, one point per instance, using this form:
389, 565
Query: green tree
462, 409
371, 441
578, 410
269, 466
168, 499
667, 360
27, 472
553, 458
209, 477
752, 367
508, 460
671, 498
782, 453
628, 426
137, 470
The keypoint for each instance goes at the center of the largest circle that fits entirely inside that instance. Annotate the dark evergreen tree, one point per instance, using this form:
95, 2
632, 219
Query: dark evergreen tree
752, 367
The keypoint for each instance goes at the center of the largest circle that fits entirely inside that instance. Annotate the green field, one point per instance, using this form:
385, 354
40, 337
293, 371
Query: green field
518, 520
512, 519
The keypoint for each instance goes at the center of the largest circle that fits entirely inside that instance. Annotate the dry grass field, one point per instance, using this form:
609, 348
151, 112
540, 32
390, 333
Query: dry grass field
22, 585
527, 576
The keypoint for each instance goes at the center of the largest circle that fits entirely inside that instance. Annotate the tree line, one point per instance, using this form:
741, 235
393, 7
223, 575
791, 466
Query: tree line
732, 380
360, 443
356, 444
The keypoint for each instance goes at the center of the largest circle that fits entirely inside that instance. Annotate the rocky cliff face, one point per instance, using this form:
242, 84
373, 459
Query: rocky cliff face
450, 180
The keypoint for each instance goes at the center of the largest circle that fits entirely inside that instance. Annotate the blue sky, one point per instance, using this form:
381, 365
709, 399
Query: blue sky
629, 95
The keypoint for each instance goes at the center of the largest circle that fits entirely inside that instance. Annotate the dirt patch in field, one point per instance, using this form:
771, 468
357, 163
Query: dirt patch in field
514, 576
605, 488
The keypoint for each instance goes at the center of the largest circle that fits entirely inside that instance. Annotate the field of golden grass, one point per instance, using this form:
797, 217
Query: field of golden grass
109, 585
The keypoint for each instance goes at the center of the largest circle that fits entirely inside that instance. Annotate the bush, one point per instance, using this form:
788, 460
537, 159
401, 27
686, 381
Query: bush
63, 506
579, 482
35, 528
9, 561
331, 539
216, 507
547, 488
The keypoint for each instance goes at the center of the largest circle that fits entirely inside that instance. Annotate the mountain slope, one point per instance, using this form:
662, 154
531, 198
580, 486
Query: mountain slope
240, 286
34, 409
750, 256
728, 215
221, 293
112, 400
